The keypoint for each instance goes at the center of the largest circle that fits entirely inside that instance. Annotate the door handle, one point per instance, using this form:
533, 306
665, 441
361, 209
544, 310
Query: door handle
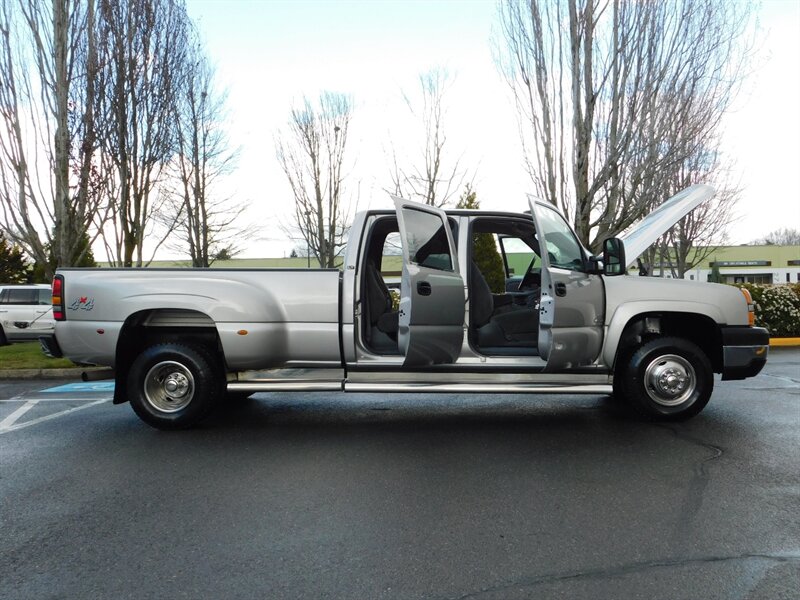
561, 289
424, 288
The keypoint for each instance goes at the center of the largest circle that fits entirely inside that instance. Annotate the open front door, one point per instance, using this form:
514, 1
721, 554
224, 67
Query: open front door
572, 301
431, 289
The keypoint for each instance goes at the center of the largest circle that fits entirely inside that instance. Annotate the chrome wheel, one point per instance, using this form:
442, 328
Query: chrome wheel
169, 386
670, 380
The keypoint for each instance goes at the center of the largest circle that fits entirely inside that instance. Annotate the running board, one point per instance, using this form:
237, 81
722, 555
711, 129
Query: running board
286, 385
480, 388
318, 385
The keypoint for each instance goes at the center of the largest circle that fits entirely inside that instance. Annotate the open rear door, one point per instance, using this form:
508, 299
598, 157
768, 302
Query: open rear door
572, 301
431, 288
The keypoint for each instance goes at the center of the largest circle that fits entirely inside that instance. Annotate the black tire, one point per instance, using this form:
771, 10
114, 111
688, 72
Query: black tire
666, 379
3, 338
174, 386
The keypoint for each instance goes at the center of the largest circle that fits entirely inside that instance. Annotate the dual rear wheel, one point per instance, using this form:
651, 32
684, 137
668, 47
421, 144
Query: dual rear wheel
175, 386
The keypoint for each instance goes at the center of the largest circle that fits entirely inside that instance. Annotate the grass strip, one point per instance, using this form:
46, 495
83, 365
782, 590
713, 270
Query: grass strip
29, 355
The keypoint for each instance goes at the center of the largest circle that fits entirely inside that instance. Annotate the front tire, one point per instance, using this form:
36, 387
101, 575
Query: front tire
3, 338
173, 386
666, 379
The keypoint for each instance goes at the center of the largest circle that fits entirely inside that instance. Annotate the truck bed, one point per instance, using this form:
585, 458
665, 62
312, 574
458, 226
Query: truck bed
264, 317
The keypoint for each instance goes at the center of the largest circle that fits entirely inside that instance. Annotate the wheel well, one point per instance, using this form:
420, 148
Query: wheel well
699, 329
148, 327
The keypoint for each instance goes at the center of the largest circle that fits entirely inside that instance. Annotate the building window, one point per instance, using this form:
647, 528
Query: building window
691, 277
761, 278
788, 278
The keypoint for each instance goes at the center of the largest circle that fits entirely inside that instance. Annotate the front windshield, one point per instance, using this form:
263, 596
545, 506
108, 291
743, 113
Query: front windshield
519, 254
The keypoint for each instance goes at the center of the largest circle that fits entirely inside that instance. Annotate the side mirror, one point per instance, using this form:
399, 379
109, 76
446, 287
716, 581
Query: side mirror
614, 257
595, 266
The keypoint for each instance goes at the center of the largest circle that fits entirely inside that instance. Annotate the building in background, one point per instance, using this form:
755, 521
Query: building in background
746, 264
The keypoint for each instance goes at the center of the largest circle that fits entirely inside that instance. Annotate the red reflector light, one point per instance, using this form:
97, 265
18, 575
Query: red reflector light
58, 298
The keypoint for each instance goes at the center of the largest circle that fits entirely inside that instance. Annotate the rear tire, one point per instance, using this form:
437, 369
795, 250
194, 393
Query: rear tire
666, 379
174, 386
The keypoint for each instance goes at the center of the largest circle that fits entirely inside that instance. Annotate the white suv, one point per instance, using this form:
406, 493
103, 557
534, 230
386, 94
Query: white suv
26, 312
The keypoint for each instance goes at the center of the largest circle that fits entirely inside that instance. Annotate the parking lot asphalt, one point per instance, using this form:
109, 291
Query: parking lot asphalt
403, 496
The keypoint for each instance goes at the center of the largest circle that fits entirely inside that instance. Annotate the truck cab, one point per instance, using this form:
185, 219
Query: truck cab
440, 309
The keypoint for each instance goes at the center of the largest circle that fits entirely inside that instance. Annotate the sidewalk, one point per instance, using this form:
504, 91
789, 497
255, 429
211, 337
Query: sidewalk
792, 341
69, 373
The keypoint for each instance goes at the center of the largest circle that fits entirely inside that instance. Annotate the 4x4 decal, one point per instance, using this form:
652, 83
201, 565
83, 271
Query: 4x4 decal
82, 303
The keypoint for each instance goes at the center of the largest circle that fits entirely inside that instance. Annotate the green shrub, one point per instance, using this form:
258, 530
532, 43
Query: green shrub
777, 308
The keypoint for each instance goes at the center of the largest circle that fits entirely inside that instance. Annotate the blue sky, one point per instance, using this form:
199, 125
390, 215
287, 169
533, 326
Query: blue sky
269, 54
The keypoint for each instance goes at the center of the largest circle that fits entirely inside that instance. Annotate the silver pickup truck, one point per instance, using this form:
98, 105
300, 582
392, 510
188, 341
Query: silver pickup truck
179, 341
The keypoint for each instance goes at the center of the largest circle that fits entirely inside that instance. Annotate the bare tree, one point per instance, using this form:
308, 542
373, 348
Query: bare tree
786, 236
207, 221
614, 96
429, 177
51, 190
146, 42
311, 153
695, 237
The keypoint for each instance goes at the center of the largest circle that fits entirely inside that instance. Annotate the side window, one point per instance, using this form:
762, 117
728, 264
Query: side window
427, 240
3, 296
45, 297
21, 296
486, 256
563, 249
392, 253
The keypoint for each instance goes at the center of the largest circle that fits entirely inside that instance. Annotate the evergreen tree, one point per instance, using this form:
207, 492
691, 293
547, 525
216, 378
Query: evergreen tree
13, 268
484, 248
39, 273
715, 276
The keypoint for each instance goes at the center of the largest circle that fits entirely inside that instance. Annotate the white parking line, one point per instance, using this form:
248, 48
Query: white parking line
17, 400
14, 416
42, 419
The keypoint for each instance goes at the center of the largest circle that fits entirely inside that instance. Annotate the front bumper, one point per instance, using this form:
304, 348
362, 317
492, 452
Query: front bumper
744, 351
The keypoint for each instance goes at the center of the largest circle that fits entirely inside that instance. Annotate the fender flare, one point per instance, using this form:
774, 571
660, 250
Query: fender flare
628, 311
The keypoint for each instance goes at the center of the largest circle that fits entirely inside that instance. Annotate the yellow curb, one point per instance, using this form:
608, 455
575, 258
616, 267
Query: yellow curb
793, 341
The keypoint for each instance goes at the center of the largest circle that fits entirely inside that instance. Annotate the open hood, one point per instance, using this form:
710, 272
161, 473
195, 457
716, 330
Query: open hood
644, 233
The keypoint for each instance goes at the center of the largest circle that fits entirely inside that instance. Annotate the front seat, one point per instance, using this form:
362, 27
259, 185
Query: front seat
379, 301
497, 328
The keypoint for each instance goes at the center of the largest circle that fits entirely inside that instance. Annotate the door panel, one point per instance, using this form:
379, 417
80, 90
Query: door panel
431, 288
572, 302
